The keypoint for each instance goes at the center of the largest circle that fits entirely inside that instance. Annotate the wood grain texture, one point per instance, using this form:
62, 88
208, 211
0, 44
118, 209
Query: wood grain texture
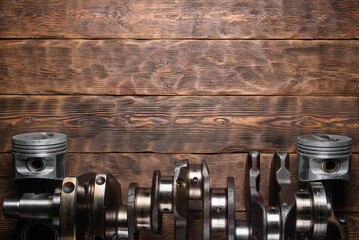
273, 19
207, 48
181, 124
139, 167
171, 67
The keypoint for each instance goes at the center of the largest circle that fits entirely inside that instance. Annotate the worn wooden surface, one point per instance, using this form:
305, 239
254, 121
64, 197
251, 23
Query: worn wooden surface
181, 124
273, 19
291, 68
172, 67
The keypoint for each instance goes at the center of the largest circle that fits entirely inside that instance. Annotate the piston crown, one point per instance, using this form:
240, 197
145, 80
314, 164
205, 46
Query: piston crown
39, 139
324, 141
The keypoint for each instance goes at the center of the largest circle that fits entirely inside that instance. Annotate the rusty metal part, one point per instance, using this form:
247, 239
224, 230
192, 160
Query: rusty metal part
313, 209
255, 206
166, 194
98, 206
304, 214
121, 224
56, 202
133, 234
243, 231
84, 203
218, 209
282, 194
96, 199
231, 209
194, 182
68, 208
206, 202
143, 209
31, 207
37, 210
274, 224
340, 227
180, 198
156, 214
320, 210
113, 205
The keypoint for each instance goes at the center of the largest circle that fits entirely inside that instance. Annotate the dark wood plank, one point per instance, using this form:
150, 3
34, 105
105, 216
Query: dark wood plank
128, 167
163, 67
182, 19
181, 124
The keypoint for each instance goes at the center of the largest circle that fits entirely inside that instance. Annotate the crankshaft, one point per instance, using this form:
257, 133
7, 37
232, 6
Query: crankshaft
90, 206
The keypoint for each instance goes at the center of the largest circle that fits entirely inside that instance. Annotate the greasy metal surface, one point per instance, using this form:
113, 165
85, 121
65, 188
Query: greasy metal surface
206, 202
340, 227
55, 210
98, 207
282, 193
122, 223
304, 216
143, 209
242, 230
68, 209
166, 194
231, 209
255, 206
218, 209
313, 209
180, 197
194, 182
29, 207
36, 230
133, 234
320, 210
156, 215
274, 224
113, 203
84, 203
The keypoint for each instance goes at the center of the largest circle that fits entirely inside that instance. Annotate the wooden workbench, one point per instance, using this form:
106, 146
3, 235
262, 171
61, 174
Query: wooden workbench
139, 84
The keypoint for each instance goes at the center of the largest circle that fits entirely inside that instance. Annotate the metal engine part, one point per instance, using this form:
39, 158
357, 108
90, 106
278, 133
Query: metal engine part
40, 156
327, 158
323, 157
90, 206
312, 211
264, 222
39, 160
282, 194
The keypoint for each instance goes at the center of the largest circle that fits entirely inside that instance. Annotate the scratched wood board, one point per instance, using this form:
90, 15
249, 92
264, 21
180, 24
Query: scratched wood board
137, 85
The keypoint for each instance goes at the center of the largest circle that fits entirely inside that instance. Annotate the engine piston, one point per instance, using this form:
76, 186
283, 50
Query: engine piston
40, 156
